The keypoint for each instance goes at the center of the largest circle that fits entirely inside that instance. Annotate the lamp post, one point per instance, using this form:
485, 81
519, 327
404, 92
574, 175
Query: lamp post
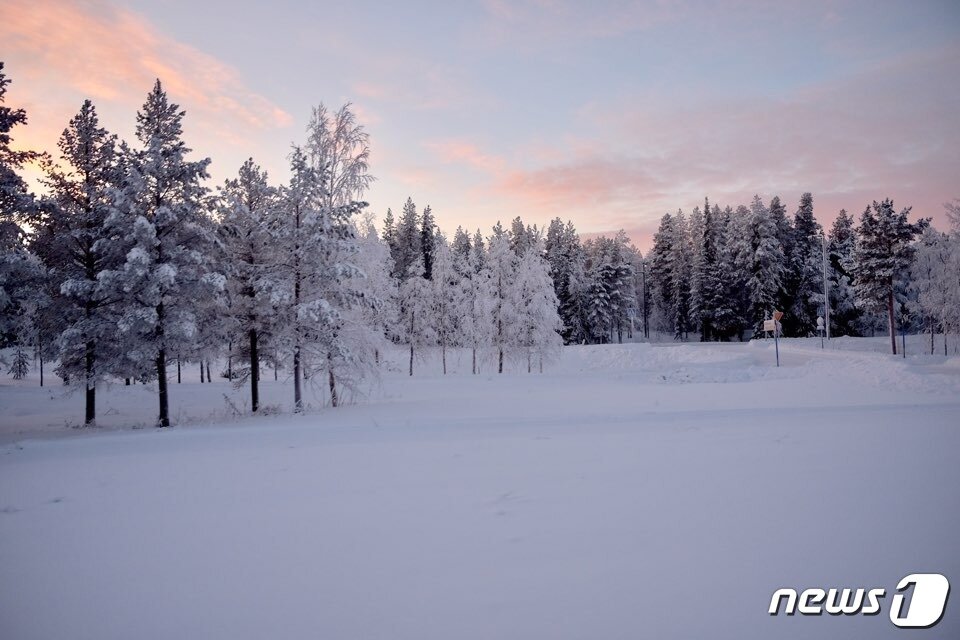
820, 329
826, 286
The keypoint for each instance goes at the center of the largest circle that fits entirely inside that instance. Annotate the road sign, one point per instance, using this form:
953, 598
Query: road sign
769, 325
777, 315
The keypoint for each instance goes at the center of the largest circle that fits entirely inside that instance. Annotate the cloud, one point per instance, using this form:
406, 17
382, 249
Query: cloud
112, 54
892, 129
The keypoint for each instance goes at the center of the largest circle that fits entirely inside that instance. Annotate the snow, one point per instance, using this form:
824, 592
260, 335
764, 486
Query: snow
630, 491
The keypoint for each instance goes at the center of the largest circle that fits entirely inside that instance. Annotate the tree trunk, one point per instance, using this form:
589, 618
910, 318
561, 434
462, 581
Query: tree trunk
90, 413
334, 400
297, 396
209, 377
229, 361
474, 361
179, 377
932, 328
892, 320
529, 367
254, 372
201, 373
164, 419
411, 358
41, 370
443, 350
126, 382
500, 360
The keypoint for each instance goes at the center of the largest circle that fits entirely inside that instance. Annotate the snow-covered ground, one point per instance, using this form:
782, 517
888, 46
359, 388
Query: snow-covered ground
630, 491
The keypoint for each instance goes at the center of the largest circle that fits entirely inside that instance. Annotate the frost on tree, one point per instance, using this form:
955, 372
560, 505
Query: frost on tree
320, 291
158, 231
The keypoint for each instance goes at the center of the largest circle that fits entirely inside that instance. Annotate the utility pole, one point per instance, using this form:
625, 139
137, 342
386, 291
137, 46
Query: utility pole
826, 286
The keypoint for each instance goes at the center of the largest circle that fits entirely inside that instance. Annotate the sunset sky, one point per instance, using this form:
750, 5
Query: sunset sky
606, 113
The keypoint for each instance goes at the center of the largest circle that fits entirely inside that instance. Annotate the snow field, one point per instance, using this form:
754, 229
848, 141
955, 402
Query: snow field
630, 491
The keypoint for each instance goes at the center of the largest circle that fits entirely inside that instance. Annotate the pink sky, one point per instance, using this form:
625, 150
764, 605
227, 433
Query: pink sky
609, 117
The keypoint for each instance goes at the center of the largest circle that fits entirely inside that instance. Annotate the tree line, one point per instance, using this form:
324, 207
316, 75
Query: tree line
129, 267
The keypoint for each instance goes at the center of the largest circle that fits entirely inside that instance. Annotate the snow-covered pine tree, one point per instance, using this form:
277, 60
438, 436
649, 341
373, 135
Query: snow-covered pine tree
417, 311
715, 316
565, 255
380, 289
760, 257
80, 194
661, 272
806, 268
844, 311
501, 265
246, 207
408, 247
427, 230
680, 277
447, 294
538, 325
390, 232
786, 238
461, 244
695, 227
522, 237
882, 254
158, 225
474, 324
20, 271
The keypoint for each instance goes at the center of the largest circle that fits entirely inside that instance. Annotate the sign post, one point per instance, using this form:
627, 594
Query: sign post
776, 333
820, 330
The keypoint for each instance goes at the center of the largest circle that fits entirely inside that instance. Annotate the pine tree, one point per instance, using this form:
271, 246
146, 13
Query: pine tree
713, 313
461, 246
390, 232
158, 225
537, 327
806, 287
882, 254
71, 244
426, 241
447, 296
20, 270
247, 206
661, 272
417, 310
408, 248
844, 312
760, 256
785, 236
680, 277
501, 265
379, 304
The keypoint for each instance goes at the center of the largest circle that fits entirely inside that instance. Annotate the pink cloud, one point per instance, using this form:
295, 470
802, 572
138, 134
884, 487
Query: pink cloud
113, 54
890, 131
